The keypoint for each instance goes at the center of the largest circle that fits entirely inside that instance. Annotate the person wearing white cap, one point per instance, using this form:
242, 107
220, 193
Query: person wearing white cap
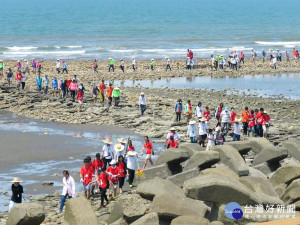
192, 131
142, 103
175, 135
107, 153
168, 64
237, 129
17, 191
113, 172
58, 66
133, 63
132, 165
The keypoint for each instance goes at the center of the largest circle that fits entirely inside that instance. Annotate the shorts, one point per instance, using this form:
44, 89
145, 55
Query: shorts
86, 186
9, 79
80, 102
19, 82
148, 156
265, 129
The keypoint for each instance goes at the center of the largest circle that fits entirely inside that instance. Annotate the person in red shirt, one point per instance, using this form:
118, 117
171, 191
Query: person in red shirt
97, 164
251, 123
149, 151
109, 94
130, 147
266, 124
86, 176
113, 173
102, 179
80, 94
171, 142
122, 168
206, 114
232, 116
218, 111
102, 88
19, 78
68, 85
259, 121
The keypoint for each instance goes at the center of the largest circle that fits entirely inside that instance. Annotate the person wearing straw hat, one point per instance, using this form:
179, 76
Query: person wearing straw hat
26, 66
202, 129
86, 176
119, 150
111, 64
142, 103
175, 135
237, 129
192, 131
116, 95
58, 66
149, 151
113, 172
168, 64
132, 165
122, 66
123, 142
133, 63
68, 189
17, 191
107, 153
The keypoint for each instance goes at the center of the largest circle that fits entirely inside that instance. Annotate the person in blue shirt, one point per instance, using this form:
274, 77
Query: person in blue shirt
178, 109
39, 80
54, 86
65, 67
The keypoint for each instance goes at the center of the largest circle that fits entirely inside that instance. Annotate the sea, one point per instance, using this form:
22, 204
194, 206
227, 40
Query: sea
98, 29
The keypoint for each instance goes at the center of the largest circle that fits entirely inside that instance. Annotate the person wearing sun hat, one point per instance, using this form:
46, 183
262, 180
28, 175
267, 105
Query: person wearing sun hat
237, 129
168, 64
202, 129
192, 131
17, 191
111, 64
113, 172
119, 150
142, 103
132, 165
175, 135
116, 95
107, 153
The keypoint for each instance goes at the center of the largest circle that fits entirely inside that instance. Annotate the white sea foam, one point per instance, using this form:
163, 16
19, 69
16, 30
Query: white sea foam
16, 48
74, 46
39, 53
127, 50
287, 44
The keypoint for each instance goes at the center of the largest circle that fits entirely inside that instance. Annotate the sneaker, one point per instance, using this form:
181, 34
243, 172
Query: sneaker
130, 185
59, 212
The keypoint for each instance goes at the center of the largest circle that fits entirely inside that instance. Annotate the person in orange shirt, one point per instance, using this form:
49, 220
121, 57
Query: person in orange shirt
109, 94
102, 88
245, 115
295, 53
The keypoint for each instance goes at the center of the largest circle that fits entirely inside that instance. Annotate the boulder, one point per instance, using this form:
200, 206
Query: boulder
79, 211
175, 156
161, 171
285, 174
232, 158
202, 160
243, 147
157, 186
26, 214
291, 196
293, 148
258, 144
120, 221
131, 207
179, 179
220, 188
264, 190
169, 207
270, 154
191, 220
148, 219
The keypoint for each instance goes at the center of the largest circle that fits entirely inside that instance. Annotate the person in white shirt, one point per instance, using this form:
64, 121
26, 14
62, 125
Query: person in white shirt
175, 135
132, 165
26, 66
199, 111
168, 64
212, 62
274, 62
107, 153
237, 128
133, 63
58, 66
68, 189
192, 131
122, 66
142, 103
225, 119
119, 150
211, 140
202, 130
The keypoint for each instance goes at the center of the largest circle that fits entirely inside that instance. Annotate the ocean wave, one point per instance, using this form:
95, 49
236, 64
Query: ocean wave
58, 53
16, 48
72, 46
287, 44
125, 50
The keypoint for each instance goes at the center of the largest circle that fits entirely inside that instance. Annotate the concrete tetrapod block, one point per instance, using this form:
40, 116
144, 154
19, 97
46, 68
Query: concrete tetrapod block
293, 148
190, 220
169, 207
172, 156
26, 214
157, 186
148, 219
271, 155
218, 188
232, 158
292, 196
179, 178
258, 144
79, 211
202, 160
161, 171
191, 148
285, 175
243, 147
